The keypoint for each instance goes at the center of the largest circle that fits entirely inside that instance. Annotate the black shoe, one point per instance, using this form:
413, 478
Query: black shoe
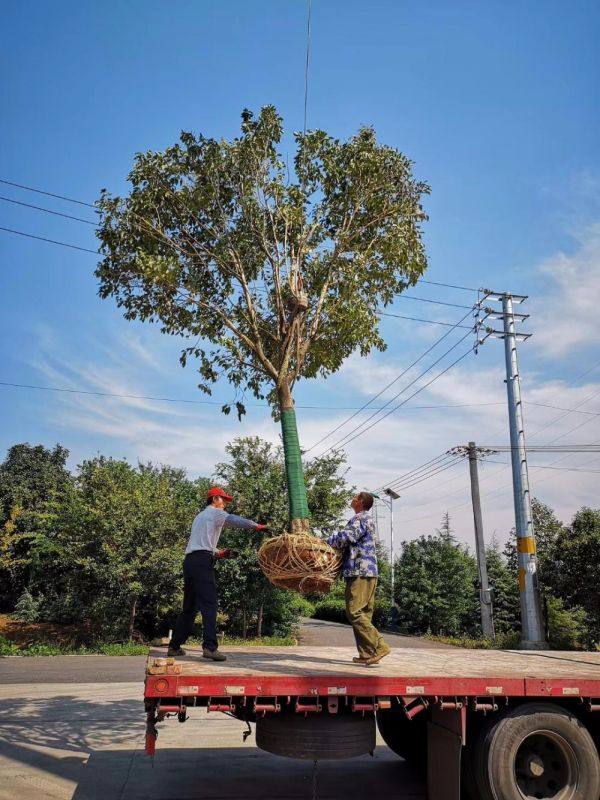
175, 651
214, 655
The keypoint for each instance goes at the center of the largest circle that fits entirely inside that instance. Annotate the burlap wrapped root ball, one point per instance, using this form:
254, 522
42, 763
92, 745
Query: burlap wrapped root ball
300, 561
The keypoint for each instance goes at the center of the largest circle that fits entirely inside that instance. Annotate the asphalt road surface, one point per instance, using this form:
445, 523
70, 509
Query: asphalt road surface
124, 669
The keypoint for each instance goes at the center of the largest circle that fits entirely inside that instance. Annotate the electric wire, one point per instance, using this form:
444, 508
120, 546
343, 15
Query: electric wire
52, 241
429, 321
307, 63
48, 211
427, 464
349, 438
68, 390
390, 384
402, 487
92, 205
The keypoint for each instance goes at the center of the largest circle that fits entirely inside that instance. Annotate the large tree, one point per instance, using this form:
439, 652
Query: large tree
273, 274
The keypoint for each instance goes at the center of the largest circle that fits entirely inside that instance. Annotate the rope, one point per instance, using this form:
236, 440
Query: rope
299, 561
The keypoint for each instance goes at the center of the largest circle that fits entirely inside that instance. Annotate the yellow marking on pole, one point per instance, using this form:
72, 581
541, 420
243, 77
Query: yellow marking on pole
526, 544
522, 579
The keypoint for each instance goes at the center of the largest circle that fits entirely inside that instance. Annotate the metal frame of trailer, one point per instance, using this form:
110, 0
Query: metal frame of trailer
451, 699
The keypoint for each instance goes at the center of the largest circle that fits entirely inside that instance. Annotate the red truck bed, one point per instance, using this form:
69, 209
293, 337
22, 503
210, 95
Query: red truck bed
327, 671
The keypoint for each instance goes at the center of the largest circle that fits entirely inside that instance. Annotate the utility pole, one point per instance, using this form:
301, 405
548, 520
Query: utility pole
532, 626
485, 595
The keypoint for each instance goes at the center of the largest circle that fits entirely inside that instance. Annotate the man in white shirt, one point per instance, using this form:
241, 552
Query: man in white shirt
199, 587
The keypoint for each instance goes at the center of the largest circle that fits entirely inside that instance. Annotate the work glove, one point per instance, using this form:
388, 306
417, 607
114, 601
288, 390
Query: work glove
227, 553
263, 528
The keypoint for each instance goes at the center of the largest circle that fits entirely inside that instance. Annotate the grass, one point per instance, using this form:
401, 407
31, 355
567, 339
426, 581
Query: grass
507, 641
255, 641
42, 648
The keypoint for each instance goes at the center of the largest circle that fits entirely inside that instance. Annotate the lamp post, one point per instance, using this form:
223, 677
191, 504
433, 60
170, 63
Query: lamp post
392, 495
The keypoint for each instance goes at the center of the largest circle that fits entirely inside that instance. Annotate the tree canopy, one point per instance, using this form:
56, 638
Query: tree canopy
276, 275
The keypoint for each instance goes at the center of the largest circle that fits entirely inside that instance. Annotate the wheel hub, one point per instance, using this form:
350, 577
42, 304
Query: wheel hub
545, 767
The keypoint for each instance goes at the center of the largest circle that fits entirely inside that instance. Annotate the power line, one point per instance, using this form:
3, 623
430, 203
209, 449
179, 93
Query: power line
48, 211
52, 241
391, 411
559, 408
546, 448
403, 487
48, 194
429, 321
307, 64
92, 205
385, 388
427, 464
436, 302
210, 402
549, 466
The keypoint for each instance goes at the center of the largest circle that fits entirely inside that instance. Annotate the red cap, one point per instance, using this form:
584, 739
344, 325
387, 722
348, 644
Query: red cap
218, 492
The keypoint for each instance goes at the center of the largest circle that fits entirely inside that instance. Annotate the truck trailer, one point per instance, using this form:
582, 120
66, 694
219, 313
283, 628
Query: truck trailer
481, 724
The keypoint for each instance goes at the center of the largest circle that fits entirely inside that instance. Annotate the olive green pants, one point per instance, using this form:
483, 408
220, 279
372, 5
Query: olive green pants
360, 604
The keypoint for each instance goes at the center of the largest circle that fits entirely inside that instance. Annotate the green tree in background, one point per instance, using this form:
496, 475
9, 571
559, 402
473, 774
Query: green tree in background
274, 277
30, 476
577, 568
115, 544
435, 585
505, 591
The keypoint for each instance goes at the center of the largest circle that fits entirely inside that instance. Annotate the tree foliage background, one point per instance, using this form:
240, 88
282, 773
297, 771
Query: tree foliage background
102, 548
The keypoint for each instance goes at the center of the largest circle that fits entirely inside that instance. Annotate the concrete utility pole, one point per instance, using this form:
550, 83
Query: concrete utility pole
485, 595
532, 627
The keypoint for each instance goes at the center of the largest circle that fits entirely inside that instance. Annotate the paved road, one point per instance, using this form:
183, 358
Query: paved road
123, 669
85, 742
319, 633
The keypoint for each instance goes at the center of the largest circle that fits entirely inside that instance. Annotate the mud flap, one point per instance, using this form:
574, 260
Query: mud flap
445, 738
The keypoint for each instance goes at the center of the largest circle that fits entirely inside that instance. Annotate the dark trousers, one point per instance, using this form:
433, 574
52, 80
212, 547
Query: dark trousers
199, 594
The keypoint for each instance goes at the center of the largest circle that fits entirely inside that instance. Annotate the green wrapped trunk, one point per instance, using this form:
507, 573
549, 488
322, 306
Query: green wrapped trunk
296, 486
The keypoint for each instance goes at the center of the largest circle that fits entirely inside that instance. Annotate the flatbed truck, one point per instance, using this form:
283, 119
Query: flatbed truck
482, 724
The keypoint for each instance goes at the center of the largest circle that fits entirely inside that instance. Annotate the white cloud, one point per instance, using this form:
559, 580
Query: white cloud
567, 313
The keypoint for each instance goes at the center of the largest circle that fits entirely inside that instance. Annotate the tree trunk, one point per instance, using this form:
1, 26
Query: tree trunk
259, 621
244, 624
296, 486
132, 612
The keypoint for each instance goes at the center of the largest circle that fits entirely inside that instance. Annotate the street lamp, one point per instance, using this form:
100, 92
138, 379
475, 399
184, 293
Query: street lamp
392, 495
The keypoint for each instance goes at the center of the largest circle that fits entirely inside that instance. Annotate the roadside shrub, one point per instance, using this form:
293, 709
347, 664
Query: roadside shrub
8, 648
567, 628
27, 607
302, 606
334, 610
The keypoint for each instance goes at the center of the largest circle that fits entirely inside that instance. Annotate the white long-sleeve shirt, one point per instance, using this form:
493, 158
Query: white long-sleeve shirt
207, 527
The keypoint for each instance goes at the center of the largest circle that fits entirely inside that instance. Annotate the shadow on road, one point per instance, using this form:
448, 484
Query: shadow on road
81, 749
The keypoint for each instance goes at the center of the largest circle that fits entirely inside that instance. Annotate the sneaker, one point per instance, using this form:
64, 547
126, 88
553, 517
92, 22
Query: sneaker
360, 659
214, 655
175, 651
383, 651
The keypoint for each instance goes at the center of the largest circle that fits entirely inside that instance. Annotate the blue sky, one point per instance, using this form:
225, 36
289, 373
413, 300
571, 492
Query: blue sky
497, 105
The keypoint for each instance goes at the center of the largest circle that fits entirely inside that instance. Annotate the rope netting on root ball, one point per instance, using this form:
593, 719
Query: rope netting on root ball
299, 561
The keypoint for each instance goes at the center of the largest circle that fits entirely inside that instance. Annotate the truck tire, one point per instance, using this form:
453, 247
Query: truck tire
406, 737
538, 750
316, 736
